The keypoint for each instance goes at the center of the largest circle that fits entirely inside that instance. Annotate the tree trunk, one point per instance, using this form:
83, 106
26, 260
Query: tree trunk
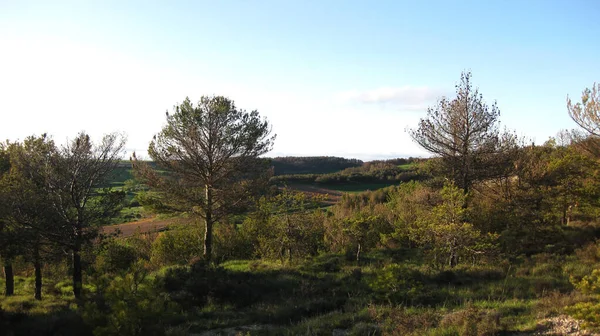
453, 260
465, 183
9, 277
289, 234
38, 276
358, 253
208, 227
77, 276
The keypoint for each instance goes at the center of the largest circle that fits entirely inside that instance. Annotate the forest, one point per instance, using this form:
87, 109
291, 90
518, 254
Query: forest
491, 235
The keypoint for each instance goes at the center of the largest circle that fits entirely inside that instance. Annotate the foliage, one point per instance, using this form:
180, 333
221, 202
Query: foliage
397, 283
210, 151
588, 311
286, 227
115, 257
587, 112
464, 133
232, 242
177, 246
292, 165
437, 222
356, 233
381, 172
446, 232
129, 305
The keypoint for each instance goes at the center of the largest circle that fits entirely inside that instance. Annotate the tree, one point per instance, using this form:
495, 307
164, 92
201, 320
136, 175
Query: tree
6, 241
75, 180
464, 133
30, 207
587, 112
446, 233
210, 153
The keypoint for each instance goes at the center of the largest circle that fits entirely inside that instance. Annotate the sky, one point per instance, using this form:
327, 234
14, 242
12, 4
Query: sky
333, 77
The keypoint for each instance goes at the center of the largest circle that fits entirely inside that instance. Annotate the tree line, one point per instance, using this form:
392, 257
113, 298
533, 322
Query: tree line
290, 165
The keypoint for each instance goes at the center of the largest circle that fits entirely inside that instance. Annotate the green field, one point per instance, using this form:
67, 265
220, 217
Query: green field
358, 187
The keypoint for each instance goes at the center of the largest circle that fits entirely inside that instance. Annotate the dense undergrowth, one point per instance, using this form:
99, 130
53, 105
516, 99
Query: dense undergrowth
389, 292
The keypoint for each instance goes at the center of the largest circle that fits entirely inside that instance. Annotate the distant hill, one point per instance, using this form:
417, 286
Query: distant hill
291, 165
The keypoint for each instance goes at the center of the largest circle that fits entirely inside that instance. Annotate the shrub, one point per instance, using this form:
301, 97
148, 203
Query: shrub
589, 312
231, 243
178, 246
201, 284
130, 305
286, 227
397, 283
473, 322
115, 256
399, 321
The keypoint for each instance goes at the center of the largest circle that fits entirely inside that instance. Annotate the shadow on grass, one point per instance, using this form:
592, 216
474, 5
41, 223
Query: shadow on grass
253, 292
281, 296
65, 322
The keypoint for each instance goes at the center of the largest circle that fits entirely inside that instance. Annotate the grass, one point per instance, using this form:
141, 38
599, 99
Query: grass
331, 292
130, 214
408, 166
327, 293
358, 187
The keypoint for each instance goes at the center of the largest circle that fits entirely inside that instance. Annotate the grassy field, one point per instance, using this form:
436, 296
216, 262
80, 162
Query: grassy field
387, 293
359, 187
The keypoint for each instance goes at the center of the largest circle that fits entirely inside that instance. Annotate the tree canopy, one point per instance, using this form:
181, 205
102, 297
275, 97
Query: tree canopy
210, 152
464, 133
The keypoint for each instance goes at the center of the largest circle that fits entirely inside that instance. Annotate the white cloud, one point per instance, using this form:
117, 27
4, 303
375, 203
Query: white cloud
407, 98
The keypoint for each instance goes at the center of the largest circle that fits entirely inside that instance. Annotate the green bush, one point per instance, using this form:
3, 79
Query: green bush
178, 246
229, 243
130, 305
115, 256
397, 283
588, 311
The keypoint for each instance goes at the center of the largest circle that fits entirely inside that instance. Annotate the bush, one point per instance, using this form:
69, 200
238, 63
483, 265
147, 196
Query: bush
230, 243
285, 227
200, 284
178, 246
473, 322
397, 283
115, 257
130, 305
589, 312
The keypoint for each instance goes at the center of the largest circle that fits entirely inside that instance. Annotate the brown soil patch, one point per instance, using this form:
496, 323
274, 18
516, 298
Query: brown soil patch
145, 225
331, 196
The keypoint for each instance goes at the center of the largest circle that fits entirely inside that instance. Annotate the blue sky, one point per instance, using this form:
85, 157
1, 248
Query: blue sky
334, 77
